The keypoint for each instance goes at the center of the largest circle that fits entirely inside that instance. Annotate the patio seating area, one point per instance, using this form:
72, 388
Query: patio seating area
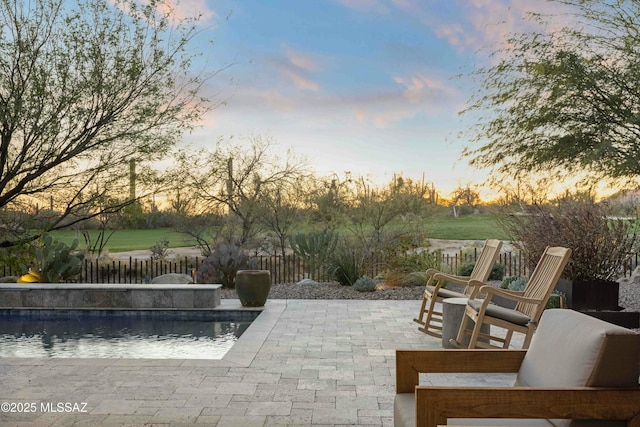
303, 362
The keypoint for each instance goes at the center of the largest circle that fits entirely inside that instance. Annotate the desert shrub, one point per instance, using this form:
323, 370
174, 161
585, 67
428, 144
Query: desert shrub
519, 283
13, 259
403, 260
508, 280
497, 271
365, 284
600, 243
223, 264
160, 250
348, 262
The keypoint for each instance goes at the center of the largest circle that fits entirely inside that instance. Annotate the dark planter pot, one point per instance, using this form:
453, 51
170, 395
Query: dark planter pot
590, 294
252, 287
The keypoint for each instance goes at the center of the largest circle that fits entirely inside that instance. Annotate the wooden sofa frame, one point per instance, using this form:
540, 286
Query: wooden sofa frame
434, 404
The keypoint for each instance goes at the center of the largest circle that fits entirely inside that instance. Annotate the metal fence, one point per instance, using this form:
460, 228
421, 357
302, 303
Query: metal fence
289, 269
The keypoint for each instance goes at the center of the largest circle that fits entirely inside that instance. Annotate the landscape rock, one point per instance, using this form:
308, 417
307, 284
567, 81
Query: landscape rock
172, 279
307, 282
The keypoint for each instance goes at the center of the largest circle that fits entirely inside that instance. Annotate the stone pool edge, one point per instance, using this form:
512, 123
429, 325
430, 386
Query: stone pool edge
240, 355
248, 345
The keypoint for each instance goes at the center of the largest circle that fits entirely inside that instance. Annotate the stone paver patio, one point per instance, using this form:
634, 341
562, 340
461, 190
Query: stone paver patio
301, 363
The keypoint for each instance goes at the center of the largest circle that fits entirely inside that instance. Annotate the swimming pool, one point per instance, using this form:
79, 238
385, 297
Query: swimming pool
138, 334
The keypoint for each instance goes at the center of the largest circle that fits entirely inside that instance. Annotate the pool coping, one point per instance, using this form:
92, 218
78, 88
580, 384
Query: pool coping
246, 348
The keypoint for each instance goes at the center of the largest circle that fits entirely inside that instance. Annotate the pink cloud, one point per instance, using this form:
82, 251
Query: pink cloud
298, 68
179, 10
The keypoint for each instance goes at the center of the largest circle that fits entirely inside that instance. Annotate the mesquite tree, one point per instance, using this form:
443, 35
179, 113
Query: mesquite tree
86, 85
563, 99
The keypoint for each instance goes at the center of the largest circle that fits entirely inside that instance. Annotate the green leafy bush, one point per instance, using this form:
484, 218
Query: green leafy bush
402, 260
365, 284
497, 271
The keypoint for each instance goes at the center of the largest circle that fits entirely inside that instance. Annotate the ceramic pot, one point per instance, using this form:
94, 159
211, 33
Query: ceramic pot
252, 287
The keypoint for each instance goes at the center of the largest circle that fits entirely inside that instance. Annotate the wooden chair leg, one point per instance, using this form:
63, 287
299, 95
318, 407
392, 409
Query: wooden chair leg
528, 337
507, 339
428, 328
422, 311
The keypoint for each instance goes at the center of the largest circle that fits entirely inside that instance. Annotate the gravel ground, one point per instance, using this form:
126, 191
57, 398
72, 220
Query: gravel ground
629, 293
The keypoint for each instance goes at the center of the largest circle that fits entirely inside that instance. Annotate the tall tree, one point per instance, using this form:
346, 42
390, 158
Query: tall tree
86, 85
237, 175
564, 99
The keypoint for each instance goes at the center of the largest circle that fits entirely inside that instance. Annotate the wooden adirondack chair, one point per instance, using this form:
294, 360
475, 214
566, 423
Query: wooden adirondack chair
429, 318
530, 304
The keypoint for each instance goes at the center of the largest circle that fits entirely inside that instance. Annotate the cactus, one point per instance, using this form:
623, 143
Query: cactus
55, 261
223, 264
314, 247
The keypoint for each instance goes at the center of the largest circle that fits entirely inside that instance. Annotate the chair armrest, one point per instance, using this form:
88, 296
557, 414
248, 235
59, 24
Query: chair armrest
410, 363
489, 291
435, 404
461, 280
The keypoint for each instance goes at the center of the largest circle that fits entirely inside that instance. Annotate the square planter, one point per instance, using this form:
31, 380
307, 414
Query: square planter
590, 294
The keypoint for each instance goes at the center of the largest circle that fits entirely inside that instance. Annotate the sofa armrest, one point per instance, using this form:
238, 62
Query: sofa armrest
435, 404
410, 363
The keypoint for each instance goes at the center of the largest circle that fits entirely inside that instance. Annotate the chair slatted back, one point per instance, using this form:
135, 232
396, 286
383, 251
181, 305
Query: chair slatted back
484, 264
543, 280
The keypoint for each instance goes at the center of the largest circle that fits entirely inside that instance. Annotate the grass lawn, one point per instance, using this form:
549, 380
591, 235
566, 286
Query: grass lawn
470, 227
130, 240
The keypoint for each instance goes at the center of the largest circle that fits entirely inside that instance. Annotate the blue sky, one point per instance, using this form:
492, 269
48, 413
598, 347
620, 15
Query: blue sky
365, 86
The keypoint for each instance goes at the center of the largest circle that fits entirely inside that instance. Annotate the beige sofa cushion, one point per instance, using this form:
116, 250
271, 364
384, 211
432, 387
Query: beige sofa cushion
570, 349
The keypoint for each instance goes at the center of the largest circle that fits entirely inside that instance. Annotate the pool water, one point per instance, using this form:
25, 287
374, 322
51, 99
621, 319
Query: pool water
168, 335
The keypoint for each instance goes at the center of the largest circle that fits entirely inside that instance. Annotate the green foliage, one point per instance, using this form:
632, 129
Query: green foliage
515, 283
15, 258
507, 281
497, 271
88, 84
315, 248
223, 264
56, 261
403, 259
563, 100
348, 262
518, 284
365, 284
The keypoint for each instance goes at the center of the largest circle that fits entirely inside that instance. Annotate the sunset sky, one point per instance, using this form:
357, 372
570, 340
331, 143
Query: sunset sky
366, 86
